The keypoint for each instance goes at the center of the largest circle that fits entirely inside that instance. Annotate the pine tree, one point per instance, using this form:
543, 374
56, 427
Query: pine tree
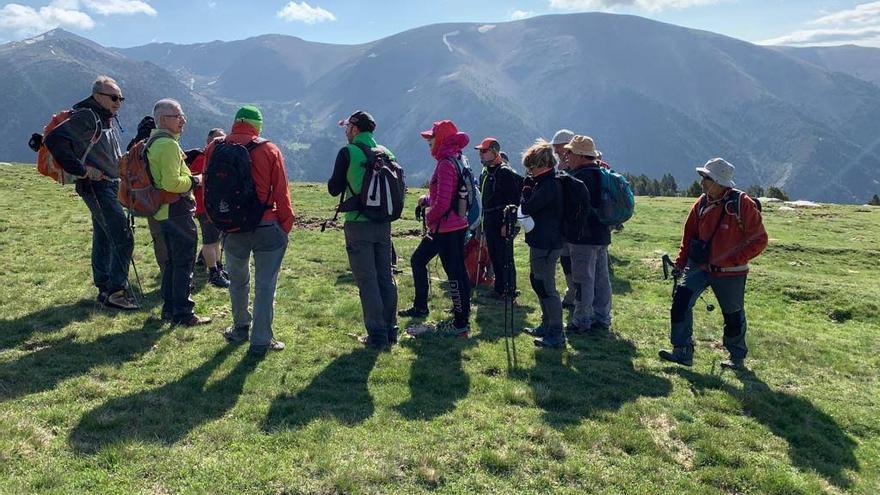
755, 191
875, 201
694, 191
778, 193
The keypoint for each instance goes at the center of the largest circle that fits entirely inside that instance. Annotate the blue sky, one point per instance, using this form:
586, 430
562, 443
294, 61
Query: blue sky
124, 23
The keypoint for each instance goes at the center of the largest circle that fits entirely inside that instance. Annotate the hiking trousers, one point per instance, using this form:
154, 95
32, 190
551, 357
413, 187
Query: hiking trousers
369, 248
158, 242
730, 292
500, 254
565, 262
267, 242
112, 241
180, 243
450, 247
542, 265
592, 285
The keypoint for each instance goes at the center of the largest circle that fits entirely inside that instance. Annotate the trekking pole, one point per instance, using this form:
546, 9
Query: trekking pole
128, 224
509, 340
139, 293
675, 278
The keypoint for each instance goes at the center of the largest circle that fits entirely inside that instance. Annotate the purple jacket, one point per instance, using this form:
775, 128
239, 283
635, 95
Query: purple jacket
443, 188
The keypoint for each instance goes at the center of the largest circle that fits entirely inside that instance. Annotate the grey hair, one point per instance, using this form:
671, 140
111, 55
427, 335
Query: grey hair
539, 155
165, 106
102, 83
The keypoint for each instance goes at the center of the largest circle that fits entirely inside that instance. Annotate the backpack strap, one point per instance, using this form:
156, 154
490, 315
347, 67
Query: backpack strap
250, 147
149, 141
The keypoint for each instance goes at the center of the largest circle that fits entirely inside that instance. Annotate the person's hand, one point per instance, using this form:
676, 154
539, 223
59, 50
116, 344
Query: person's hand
93, 173
677, 272
526, 192
423, 201
198, 180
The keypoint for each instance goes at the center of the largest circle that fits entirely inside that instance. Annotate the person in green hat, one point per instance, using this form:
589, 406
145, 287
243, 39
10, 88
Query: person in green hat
267, 242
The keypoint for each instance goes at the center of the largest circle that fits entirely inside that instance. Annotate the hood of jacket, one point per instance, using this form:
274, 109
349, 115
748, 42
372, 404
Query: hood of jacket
450, 146
92, 103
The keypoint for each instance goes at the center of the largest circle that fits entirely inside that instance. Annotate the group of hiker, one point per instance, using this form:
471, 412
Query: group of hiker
568, 203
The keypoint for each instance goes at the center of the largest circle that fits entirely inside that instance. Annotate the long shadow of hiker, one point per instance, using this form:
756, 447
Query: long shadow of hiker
815, 440
596, 375
65, 358
339, 390
165, 414
436, 379
51, 319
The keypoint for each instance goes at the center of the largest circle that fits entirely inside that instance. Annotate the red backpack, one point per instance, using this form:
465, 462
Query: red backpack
46, 164
137, 191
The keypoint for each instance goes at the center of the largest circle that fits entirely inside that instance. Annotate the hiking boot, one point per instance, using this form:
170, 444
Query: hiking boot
680, 355
216, 278
262, 350
220, 267
413, 312
392, 335
548, 342
366, 342
120, 300
420, 329
599, 327
102, 297
236, 335
193, 321
448, 329
537, 331
734, 364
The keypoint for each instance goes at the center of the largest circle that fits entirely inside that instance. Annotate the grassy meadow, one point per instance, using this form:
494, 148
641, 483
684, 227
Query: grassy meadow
96, 401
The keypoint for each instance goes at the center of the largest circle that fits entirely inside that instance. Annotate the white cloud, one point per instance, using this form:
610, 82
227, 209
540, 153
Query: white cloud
521, 14
25, 21
124, 7
867, 36
866, 13
304, 12
650, 5
859, 25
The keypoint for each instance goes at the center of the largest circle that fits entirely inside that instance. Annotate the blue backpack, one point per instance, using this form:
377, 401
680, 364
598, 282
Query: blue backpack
617, 200
469, 203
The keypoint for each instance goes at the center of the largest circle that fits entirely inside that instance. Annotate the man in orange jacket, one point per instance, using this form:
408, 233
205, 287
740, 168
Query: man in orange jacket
722, 233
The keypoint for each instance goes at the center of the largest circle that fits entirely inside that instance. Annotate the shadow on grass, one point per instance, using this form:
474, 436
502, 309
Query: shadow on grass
618, 285
165, 414
339, 391
815, 441
594, 375
51, 319
66, 358
436, 379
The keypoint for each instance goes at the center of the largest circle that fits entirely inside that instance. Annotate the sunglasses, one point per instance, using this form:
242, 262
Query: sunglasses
113, 98
176, 116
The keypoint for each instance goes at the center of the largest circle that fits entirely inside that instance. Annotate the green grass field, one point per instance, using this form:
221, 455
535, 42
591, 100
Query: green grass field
93, 401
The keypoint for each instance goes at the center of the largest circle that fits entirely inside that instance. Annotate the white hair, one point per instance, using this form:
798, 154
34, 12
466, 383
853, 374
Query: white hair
103, 83
165, 106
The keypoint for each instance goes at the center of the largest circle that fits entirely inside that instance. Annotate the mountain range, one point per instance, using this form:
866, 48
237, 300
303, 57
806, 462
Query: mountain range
656, 97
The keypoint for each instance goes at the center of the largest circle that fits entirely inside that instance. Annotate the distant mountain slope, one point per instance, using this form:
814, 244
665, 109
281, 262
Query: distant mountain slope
658, 98
857, 61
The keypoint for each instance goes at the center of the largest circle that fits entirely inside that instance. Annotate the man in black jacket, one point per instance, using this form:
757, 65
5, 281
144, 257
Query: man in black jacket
589, 250
542, 200
87, 146
500, 186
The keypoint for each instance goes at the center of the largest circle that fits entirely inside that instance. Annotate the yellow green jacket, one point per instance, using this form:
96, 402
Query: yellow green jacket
168, 167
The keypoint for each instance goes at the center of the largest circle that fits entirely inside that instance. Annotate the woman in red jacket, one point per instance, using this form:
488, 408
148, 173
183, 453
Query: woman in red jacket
446, 233
722, 233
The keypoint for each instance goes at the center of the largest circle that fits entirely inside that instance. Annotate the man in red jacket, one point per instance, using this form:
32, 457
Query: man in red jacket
722, 233
267, 242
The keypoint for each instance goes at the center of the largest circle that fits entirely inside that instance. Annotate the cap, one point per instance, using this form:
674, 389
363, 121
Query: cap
362, 120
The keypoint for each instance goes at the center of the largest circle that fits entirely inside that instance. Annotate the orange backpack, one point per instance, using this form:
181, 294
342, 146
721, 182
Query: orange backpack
136, 189
46, 164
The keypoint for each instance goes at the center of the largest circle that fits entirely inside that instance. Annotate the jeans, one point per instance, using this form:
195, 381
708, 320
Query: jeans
450, 247
592, 285
268, 244
730, 292
180, 244
369, 249
112, 242
542, 263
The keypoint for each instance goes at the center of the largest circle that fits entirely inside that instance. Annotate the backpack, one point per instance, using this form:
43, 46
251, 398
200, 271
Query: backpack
383, 189
575, 207
46, 164
231, 200
137, 190
617, 202
732, 205
469, 203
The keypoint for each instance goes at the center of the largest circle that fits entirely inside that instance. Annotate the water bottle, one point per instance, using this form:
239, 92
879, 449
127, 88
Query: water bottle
462, 201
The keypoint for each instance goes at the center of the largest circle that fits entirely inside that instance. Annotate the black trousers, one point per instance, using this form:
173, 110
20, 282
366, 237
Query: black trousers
499, 253
181, 238
450, 247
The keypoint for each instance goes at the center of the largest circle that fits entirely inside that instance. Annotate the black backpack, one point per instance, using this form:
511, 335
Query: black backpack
230, 194
383, 189
575, 207
732, 205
